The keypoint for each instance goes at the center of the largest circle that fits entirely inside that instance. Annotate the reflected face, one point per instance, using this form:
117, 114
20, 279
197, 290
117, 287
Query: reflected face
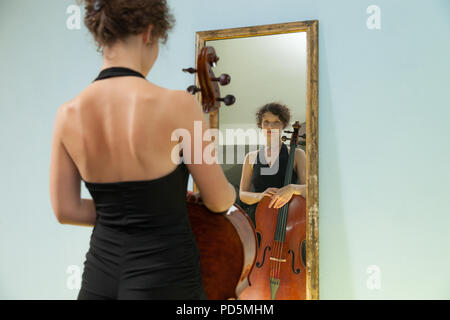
272, 126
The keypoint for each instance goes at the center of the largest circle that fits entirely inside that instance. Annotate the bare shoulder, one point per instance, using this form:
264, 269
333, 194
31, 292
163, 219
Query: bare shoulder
152, 90
184, 107
66, 111
299, 152
64, 117
175, 104
182, 98
173, 100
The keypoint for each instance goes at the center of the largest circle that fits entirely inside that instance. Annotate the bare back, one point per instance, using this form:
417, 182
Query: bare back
119, 129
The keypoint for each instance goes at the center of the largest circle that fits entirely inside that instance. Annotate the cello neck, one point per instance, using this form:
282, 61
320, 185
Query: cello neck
289, 166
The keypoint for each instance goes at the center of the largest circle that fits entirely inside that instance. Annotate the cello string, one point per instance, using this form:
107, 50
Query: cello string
277, 251
283, 214
279, 242
281, 225
274, 246
285, 209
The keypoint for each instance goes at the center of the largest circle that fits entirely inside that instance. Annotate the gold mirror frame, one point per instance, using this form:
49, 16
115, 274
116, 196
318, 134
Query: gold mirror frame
312, 98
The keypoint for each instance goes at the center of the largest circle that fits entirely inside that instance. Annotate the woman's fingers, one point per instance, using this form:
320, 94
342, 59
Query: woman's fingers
280, 203
273, 201
268, 192
277, 202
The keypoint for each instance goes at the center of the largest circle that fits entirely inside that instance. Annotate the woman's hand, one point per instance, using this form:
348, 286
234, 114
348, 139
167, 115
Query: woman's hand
268, 192
281, 197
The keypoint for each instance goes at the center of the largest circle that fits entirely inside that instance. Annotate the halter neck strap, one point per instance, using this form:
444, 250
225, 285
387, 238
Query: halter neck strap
118, 72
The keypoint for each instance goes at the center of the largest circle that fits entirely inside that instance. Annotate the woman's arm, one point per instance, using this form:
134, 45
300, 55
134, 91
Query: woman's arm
299, 189
245, 194
65, 181
250, 197
216, 192
85, 216
300, 163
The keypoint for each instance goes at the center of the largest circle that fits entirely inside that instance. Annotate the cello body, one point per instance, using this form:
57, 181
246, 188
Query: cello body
280, 269
276, 260
227, 243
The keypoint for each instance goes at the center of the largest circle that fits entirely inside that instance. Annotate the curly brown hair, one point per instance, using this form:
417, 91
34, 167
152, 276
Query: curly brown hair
112, 20
278, 109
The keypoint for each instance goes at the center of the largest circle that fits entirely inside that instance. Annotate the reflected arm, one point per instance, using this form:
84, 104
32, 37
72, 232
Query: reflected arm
245, 194
300, 166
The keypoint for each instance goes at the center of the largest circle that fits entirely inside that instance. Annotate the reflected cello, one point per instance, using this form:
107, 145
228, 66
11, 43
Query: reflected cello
280, 270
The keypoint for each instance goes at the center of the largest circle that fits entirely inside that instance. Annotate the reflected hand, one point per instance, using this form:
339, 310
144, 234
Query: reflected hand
269, 192
281, 197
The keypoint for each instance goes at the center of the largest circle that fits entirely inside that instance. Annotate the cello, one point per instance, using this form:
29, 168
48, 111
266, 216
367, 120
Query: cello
227, 240
280, 272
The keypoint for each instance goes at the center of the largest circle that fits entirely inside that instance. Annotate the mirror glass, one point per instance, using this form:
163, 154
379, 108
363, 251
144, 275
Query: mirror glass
263, 69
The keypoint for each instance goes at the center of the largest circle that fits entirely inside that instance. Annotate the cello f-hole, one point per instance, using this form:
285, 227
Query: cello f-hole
259, 265
296, 271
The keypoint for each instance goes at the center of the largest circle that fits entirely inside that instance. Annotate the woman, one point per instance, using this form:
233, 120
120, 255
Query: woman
272, 118
116, 135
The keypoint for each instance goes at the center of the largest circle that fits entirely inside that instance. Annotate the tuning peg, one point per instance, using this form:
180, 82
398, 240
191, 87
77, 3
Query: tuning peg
214, 60
190, 70
193, 89
224, 79
287, 131
284, 138
228, 100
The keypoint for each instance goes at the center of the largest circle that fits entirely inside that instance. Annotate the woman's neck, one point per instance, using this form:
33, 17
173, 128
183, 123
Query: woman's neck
121, 55
269, 146
269, 150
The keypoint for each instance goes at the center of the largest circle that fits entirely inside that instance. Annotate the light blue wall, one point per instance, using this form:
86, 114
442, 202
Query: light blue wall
383, 129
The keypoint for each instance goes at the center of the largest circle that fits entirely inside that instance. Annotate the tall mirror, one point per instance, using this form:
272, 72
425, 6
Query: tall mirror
271, 65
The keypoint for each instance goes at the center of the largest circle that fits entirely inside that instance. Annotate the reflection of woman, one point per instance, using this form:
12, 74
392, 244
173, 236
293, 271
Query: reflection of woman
254, 186
116, 136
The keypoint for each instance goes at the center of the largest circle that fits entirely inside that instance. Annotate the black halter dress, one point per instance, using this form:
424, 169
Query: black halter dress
142, 245
260, 182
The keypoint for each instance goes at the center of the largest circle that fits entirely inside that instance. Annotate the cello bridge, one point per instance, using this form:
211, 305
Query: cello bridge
278, 260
